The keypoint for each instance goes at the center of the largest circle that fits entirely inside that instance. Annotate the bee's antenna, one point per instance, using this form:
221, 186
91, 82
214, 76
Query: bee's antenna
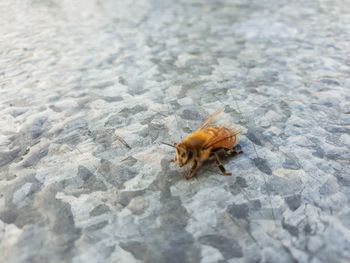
171, 145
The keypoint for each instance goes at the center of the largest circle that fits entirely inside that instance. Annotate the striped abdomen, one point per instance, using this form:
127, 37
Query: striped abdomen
220, 137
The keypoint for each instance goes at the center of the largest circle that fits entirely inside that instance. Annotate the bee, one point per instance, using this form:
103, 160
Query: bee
206, 143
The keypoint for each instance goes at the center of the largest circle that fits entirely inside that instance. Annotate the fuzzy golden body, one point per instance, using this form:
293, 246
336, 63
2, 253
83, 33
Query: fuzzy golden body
204, 143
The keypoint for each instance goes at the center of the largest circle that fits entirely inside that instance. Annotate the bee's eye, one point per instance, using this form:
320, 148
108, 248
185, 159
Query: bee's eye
182, 155
190, 154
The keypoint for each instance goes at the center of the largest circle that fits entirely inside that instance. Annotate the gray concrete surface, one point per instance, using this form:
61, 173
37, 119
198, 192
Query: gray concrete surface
75, 75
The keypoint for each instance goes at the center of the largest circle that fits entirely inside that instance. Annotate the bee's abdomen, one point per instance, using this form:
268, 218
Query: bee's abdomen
214, 131
221, 137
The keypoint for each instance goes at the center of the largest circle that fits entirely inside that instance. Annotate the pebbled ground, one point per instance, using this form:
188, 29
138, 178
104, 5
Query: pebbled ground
77, 76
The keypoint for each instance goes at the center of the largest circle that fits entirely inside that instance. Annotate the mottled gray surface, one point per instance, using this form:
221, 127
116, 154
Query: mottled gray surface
75, 75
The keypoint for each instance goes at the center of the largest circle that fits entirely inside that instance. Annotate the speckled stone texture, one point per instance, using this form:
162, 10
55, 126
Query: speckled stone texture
76, 76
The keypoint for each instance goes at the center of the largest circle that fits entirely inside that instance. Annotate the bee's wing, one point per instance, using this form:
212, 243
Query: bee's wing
219, 139
211, 118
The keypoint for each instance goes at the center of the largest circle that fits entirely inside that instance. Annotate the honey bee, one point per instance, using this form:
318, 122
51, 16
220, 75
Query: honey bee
206, 143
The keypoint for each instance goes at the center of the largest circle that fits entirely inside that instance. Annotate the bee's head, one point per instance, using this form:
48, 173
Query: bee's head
183, 154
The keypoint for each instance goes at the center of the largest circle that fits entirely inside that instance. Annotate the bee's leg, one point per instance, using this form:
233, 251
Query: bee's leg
220, 165
193, 170
173, 160
238, 149
234, 151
